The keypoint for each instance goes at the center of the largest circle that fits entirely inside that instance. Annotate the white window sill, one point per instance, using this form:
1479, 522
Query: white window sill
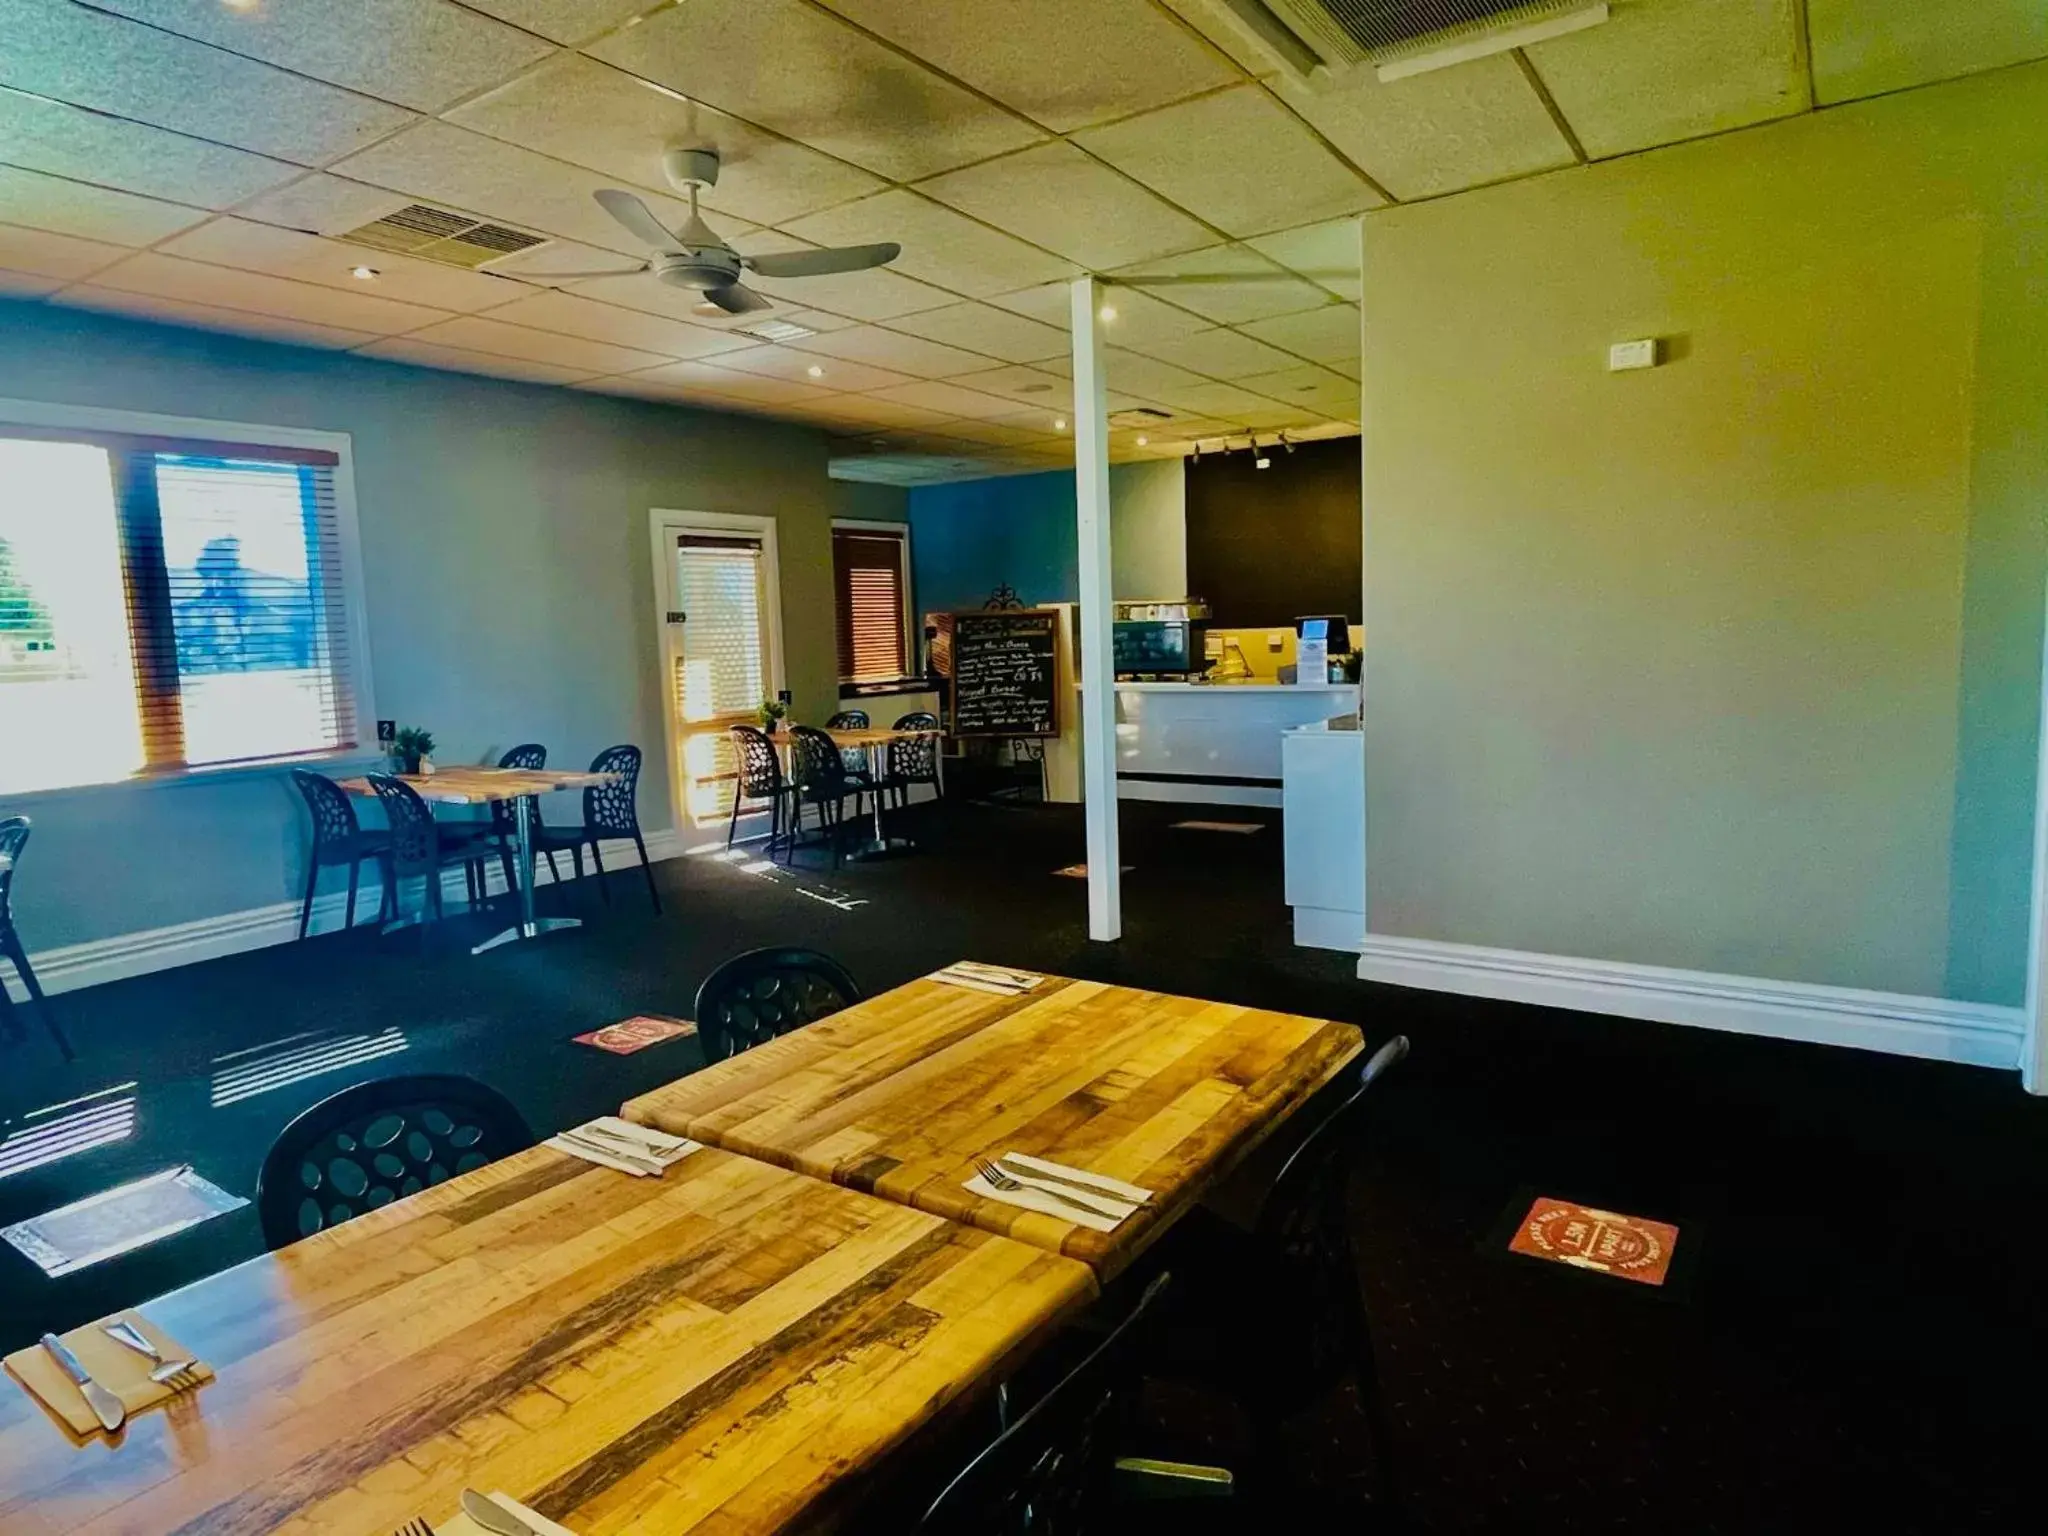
342, 763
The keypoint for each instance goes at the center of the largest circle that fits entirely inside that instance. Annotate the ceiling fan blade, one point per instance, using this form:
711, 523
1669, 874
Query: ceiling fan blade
638, 218
846, 258
563, 277
737, 299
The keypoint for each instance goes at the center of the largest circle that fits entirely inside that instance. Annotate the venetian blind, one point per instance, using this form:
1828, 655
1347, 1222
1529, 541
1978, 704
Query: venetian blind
867, 569
722, 665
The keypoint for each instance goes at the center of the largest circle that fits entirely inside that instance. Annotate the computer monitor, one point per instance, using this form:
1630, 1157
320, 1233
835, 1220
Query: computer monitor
1335, 628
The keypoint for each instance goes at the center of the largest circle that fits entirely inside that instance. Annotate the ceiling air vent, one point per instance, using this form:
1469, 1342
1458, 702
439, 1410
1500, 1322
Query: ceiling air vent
435, 234
1140, 416
1406, 37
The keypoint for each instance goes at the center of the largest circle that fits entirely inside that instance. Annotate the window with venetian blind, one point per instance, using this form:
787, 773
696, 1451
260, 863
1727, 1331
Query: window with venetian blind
166, 604
870, 568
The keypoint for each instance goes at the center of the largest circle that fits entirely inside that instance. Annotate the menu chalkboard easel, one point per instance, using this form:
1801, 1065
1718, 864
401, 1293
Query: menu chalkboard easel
1005, 669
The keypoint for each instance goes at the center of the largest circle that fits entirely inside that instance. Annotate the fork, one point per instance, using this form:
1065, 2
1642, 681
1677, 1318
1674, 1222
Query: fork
175, 1374
414, 1528
1102, 1205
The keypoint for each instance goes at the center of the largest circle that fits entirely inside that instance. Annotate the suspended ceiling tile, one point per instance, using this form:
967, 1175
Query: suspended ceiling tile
1027, 386
801, 72
1327, 393
1656, 74
251, 247
44, 254
1328, 335
566, 21
1229, 284
1226, 31
1065, 63
818, 319
427, 354
1238, 159
948, 399
1218, 353
890, 349
42, 135
324, 205
570, 314
78, 208
477, 333
1439, 132
1278, 418
729, 384
26, 285
1866, 47
1129, 315
1059, 198
810, 368
939, 245
873, 410
995, 434
1209, 398
1326, 254
67, 51
423, 54
617, 124
1135, 374
441, 163
985, 329
201, 283
209, 317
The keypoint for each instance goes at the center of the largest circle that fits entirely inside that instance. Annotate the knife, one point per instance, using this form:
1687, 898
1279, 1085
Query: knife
1072, 1194
617, 1154
1017, 1170
493, 1516
106, 1407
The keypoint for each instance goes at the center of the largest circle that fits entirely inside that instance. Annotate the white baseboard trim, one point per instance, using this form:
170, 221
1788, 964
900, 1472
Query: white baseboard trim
1980, 1034
71, 966
1328, 928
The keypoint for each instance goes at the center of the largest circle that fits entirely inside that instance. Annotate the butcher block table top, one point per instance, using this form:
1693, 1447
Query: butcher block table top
482, 786
716, 1350
900, 1094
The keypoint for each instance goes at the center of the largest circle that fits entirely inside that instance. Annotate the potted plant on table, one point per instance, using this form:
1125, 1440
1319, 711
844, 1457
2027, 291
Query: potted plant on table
412, 747
773, 712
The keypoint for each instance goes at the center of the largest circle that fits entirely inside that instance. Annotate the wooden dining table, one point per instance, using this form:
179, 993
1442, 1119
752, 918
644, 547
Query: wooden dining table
725, 1349
874, 740
488, 786
900, 1095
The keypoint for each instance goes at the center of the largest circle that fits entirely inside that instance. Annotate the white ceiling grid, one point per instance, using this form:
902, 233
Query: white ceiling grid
192, 160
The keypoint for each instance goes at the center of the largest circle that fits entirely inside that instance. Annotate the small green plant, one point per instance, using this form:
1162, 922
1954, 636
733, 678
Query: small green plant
773, 713
410, 745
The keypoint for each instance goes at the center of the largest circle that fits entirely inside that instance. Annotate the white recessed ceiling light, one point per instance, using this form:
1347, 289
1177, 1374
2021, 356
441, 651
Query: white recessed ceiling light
815, 371
241, 5
1143, 439
363, 274
1059, 423
1107, 312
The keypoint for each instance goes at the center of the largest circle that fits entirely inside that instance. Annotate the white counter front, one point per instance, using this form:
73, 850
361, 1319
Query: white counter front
1214, 743
1324, 831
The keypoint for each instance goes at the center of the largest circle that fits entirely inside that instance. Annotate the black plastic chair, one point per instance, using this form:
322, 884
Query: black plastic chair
915, 759
763, 993
378, 1142
13, 838
760, 778
609, 810
505, 816
1272, 1313
857, 763
821, 780
1055, 1468
417, 849
338, 839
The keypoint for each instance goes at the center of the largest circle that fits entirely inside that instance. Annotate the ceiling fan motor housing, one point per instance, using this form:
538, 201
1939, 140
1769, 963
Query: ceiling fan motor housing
684, 166
703, 269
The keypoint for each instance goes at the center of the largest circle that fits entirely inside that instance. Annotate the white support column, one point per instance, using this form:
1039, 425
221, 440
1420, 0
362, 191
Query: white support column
2034, 1043
1098, 666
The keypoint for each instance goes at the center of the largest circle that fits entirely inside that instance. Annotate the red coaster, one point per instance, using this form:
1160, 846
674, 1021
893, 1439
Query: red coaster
636, 1034
1627, 1247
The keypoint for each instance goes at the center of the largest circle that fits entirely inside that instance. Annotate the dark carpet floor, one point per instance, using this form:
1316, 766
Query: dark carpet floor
1858, 1336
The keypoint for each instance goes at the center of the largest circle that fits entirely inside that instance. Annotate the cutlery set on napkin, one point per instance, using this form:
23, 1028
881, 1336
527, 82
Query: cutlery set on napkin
987, 978
98, 1376
1072, 1194
615, 1143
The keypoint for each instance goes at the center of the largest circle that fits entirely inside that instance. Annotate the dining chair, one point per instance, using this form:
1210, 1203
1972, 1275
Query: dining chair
13, 838
858, 765
418, 848
763, 993
609, 810
1272, 1313
1055, 1469
760, 778
505, 818
913, 759
821, 779
377, 1142
338, 839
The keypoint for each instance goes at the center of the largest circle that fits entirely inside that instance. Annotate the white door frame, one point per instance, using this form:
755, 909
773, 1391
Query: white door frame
664, 524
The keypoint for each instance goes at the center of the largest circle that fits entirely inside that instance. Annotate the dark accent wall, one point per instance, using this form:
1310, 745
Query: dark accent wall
1267, 545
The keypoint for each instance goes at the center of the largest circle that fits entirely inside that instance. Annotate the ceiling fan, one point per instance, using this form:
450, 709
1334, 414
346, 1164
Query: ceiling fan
695, 257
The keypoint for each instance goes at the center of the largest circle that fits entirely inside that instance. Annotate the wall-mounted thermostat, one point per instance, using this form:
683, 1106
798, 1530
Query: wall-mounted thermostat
1624, 355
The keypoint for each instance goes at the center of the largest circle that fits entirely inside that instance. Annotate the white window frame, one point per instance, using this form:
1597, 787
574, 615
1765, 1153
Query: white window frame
361, 686
663, 523
910, 635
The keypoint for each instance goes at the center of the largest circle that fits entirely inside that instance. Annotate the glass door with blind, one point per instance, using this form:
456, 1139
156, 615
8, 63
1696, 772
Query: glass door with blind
722, 626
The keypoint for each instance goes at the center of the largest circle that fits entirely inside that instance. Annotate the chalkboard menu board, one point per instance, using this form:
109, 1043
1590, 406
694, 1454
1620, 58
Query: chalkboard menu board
1005, 672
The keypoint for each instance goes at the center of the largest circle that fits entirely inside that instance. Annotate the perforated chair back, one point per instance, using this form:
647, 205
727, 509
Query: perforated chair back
332, 809
848, 720
504, 818
754, 997
13, 838
614, 809
1042, 1473
915, 759
415, 836
378, 1142
816, 766
760, 767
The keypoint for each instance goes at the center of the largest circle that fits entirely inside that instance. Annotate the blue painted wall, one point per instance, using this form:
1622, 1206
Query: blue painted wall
968, 537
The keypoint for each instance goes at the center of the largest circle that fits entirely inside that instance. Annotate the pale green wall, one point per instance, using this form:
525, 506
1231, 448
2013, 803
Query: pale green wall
507, 558
1733, 664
